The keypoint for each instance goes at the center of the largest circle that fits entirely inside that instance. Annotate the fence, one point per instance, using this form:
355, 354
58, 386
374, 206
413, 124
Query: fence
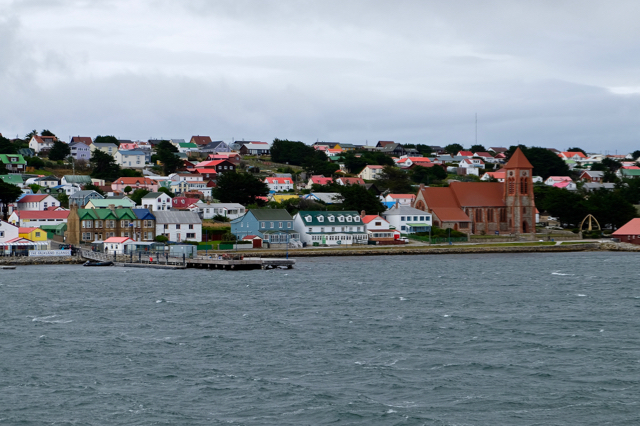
435, 240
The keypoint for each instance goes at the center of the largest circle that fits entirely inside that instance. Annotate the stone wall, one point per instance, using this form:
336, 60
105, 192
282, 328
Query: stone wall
26, 260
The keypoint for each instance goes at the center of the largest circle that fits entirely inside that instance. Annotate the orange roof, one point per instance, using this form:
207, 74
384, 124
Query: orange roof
443, 202
36, 198
134, 180
117, 239
518, 161
630, 228
368, 218
398, 196
573, 153
36, 214
26, 230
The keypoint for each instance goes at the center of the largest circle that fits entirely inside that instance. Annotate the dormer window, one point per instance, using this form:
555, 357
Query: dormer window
332, 218
356, 218
340, 218
348, 218
320, 218
307, 218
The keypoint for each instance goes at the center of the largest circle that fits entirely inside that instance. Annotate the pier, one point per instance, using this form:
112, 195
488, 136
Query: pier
222, 261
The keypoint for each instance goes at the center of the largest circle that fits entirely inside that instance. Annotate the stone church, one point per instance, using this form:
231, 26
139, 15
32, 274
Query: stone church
485, 207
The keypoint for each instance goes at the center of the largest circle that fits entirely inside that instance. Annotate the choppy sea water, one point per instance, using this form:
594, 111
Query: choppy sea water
523, 339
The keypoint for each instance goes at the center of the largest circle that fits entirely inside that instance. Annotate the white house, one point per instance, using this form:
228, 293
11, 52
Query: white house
40, 143
228, 210
35, 219
279, 184
371, 172
156, 201
471, 162
402, 199
37, 202
330, 228
8, 231
179, 226
117, 245
379, 229
132, 159
408, 220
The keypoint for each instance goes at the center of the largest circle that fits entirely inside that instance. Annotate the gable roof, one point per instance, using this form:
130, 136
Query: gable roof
177, 216
45, 214
104, 203
17, 159
36, 198
134, 181
201, 140
518, 161
311, 218
118, 240
630, 228
82, 139
270, 214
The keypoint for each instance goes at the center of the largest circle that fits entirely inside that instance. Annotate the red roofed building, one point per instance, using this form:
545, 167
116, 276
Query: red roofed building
378, 229
350, 181
35, 219
82, 139
135, 183
37, 202
183, 202
572, 155
220, 166
41, 143
465, 154
629, 232
485, 207
201, 140
277, 184
319, 180
407, 162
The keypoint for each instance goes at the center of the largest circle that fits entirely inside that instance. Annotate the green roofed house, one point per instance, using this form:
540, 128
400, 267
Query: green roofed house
77, 179
88, 225
187, 147
274, 226
14, 163
13, 179
97, 203
628, 173
331, 228
54, 230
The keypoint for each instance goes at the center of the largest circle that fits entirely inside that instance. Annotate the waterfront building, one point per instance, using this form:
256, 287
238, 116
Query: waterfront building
179, 225
330, 228
88, 225
274, 226
407, 219
34, 218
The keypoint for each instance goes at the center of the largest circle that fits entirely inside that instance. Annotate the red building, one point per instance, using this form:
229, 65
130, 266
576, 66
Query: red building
629, 232
485, 208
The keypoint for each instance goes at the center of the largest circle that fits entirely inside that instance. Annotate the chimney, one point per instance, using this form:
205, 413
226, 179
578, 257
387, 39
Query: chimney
397, 204
363, 213
112, 207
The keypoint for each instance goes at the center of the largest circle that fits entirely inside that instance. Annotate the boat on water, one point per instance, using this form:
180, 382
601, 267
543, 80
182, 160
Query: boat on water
96, 263
7, 267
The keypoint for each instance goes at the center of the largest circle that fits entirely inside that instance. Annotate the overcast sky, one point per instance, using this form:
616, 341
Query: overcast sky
546, 73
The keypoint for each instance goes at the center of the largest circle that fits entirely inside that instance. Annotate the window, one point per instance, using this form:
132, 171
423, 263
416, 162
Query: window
86, 236
320, 218
464, 225
166, 226
191, 235
37, 234
378, 223
322, 229
190, 226
421, 218
124, 223
177, 226
263, 225
98, 224
281, 226
478, 215
402, 218
1, 234
310, 229
87, 224
403, 228
415, 218
272, 225
333, 229
288, 224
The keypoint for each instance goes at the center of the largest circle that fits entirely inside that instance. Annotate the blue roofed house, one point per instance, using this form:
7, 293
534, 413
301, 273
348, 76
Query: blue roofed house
144, 227
81, 198
274, 226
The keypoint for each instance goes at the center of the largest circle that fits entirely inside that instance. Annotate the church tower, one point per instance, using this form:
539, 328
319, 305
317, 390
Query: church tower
518, 194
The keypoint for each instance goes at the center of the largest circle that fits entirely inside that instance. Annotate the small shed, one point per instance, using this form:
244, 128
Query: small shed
177, 250
256, 241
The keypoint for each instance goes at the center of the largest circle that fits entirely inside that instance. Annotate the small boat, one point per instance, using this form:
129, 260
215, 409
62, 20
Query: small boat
96, 263
7, 267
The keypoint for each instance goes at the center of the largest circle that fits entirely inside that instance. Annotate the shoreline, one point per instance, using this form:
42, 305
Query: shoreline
374, 251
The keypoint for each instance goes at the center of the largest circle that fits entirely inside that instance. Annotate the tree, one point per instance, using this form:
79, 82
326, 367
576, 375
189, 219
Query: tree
238, 187
6, 147
166, 191
300, 154
567, 206
137, 195
395, 180
166, 154
356, 197
478, 148
127, 189
107, 139
31, 134
577, 150
8, 194
47, 132
545, 163
428, 175
92, 187
59, 151
453, 148
104, 166
635, 154
64, 200
35, 162
610, 208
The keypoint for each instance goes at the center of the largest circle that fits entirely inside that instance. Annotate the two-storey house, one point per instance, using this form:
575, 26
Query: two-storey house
13, 163
37, 202
156, 201
229, 210
330, 228
274, 226
279, 184
179, 225
408, 220
87, 225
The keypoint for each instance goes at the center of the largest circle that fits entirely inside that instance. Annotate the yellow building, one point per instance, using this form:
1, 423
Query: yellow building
278, 198
32, 234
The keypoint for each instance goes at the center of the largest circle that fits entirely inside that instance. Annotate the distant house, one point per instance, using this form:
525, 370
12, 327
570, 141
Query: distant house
277, 184
133, 159
344, 181
219, 166
591, 176
46, 181
371, 172
107, 203
498, 175
465, 154
81, 139
255, 149
572, 155
200, 140
497, 149
401, 199
80, 151
406, 162
41, 143
37, 202
156, 201
80, 180
215, 147
178, 225
32, 234
472, 163
35, 219
229, 210
117, 245
135, 183
324, 197
629, 232
13, 163
330, 228
8, 231
552, 180
319, 180
107, 148
408, 220
379, 230
81, 198
183, 202
274, 226
187, 147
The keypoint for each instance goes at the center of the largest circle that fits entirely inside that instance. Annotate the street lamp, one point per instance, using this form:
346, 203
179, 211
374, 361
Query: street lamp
449, 229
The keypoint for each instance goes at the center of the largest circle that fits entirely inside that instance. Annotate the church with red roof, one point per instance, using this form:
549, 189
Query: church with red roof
485, 207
